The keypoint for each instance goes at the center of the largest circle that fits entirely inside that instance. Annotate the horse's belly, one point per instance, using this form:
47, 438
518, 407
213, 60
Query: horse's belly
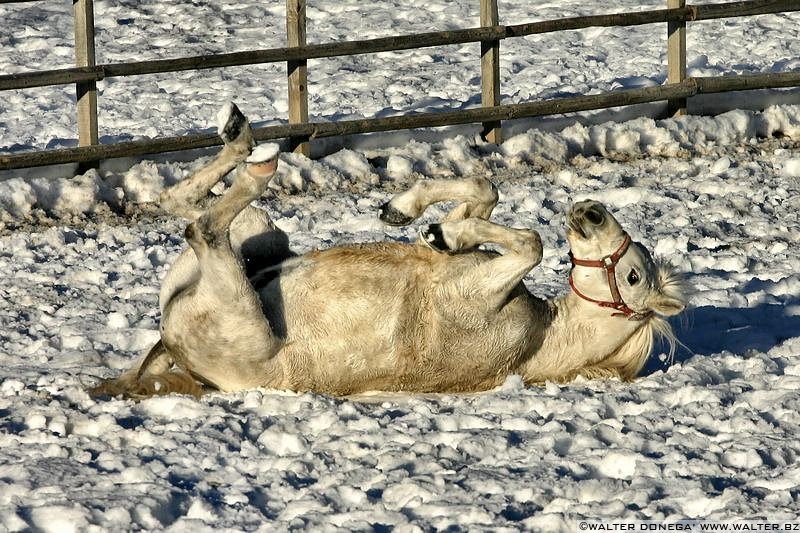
371, 321
349, 317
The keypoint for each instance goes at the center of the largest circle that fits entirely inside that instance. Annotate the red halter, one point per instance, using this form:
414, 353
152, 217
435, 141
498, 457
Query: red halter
609, 264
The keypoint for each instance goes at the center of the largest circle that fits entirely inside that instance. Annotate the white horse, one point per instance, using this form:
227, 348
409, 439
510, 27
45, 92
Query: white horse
240, 310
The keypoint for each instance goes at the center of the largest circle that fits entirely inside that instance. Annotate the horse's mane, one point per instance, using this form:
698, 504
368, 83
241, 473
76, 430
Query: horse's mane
672, 283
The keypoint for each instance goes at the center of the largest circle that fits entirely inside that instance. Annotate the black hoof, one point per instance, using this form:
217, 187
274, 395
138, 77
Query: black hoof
433, 237
393, 217
234, 126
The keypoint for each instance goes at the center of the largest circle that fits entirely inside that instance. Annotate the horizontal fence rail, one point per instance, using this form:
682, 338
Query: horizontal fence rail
676, 91
320, 51
689, 87
388, 44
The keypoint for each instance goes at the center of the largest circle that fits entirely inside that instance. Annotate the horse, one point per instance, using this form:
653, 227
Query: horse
438, 315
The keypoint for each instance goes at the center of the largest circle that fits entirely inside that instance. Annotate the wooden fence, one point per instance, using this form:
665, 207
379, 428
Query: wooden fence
299, 131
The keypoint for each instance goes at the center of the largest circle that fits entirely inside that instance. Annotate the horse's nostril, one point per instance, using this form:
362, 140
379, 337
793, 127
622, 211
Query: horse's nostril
594, 216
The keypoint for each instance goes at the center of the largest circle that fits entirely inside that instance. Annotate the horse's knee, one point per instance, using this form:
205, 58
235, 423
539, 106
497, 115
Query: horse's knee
479, 198
485, 191
166, 201
529, 244
489, 196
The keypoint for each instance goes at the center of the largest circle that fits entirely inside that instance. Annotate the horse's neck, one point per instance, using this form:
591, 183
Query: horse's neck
577, 336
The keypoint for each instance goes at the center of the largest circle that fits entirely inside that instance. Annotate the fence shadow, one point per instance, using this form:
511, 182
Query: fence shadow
710, 330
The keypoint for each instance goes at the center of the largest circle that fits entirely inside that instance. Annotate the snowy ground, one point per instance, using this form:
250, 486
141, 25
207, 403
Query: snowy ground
714, 436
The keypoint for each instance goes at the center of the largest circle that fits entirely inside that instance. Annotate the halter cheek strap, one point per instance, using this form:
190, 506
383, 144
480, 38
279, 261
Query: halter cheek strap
609, 264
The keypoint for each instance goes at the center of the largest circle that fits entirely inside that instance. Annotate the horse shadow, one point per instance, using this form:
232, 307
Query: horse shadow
709, 330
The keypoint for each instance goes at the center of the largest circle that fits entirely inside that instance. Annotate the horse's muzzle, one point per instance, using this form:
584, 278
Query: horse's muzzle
586, 216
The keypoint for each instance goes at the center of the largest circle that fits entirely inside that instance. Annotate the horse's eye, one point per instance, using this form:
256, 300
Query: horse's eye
633, 277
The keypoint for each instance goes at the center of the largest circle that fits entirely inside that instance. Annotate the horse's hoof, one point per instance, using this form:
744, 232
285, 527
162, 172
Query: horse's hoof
394, 217
230, 123
433, 237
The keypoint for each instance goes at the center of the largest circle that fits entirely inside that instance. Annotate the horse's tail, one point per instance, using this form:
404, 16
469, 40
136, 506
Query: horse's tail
175, 380
154, 376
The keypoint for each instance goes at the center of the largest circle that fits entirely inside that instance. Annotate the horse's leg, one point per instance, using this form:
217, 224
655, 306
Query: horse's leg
491, 281
185, 198
252, 231
215, 328
152, 375
253, 236
476, 197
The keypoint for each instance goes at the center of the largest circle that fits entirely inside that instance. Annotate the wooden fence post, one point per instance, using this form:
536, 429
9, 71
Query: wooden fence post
86, 91
298, 72
676, 58
490, 72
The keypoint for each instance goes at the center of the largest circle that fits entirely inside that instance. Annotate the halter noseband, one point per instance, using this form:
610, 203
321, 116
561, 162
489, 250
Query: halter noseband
609, 264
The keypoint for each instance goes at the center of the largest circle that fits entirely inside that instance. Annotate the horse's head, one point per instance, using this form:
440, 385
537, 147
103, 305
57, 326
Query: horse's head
615, 273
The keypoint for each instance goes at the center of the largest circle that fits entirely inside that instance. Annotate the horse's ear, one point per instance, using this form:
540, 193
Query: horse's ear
665, 305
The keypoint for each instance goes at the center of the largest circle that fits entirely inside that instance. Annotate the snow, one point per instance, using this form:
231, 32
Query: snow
712, 436
264, 152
